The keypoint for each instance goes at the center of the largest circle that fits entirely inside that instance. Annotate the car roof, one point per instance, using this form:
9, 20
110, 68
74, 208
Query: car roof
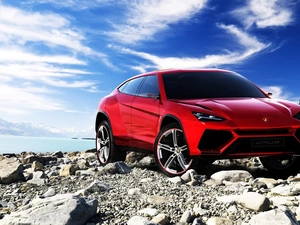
176, 70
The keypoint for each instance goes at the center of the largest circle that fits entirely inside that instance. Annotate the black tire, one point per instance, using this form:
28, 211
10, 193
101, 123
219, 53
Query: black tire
105, 147
171, 151
283, 165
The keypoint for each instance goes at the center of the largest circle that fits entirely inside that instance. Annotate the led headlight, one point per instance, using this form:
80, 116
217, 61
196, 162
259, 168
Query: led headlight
207, 117
297, 116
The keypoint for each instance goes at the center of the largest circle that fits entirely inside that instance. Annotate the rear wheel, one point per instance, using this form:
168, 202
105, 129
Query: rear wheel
105, 148
171, 151
281, 165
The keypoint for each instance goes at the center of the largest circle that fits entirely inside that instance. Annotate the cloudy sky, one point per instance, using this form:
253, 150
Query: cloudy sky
58, 58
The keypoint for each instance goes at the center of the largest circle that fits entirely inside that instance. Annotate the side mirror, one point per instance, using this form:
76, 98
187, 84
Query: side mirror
270, 93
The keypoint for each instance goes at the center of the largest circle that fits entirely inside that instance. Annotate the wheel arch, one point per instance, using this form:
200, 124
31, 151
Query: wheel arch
101, 116
168, 119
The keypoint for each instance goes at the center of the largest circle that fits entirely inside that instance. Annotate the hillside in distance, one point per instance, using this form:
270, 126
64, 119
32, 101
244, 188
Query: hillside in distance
41, 130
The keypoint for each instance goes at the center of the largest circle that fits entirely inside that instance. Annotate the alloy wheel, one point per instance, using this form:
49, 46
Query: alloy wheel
103, 144
172, 152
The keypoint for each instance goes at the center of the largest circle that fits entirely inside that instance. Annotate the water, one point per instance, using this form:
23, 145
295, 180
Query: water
17, 144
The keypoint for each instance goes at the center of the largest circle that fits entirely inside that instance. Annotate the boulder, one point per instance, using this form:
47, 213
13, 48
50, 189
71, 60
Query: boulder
65, 209
11, 171
218, 221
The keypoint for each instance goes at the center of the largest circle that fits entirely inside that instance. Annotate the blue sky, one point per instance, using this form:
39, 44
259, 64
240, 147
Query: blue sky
58, 58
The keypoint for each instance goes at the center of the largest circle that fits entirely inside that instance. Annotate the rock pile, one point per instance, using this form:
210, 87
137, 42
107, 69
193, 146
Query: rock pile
73, 189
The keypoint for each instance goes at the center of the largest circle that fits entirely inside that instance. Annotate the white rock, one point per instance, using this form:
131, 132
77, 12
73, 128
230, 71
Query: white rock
283, 200
156, 199
138, 220
188, 176
218, 221
161, 219
285, 190
148, 212
176, 180
186, 217
253, 201
275, 216
135, 191
231, 175
232, 210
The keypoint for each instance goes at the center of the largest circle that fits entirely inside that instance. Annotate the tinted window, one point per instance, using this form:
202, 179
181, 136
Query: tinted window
191, 85
149, 87
131, 86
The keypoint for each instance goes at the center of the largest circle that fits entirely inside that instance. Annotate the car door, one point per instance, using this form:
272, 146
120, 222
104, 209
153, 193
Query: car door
125, 97
145, 113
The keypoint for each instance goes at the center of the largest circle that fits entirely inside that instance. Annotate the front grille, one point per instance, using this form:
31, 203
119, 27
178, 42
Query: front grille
263, 132
212, 139
243, 145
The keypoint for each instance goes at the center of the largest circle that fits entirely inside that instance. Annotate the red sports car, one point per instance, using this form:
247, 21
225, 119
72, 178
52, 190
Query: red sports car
188, 117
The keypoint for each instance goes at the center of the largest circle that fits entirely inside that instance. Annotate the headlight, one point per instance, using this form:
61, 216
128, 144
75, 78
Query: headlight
297, 116
208, 117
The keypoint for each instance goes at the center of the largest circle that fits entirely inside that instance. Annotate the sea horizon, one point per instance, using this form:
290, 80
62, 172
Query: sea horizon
17, 144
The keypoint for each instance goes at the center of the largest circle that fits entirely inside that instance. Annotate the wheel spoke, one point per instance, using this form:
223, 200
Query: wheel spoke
182, 161
183, 148
166, 147
174, 137
101, 153
170, 161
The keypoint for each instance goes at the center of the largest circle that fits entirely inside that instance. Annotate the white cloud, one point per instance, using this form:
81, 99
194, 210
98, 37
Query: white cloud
18, 27
264, 14
23, 100
74, 4
279, 92
249, 44
147, 17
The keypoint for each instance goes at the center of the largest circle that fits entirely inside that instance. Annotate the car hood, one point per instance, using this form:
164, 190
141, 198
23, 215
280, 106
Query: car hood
261, 111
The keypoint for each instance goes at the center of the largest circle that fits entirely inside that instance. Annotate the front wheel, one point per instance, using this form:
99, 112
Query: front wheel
281, 165
171, 151
105, 148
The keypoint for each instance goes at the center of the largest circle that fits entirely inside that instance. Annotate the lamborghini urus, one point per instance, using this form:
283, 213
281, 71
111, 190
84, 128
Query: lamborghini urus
189, 117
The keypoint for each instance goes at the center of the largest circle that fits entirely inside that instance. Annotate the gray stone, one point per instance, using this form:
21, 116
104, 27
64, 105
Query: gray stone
38, 178
198, 221
275, 216
135, 191
11, 171
115, 168
58, 154
84, 173
64, 209
94, 187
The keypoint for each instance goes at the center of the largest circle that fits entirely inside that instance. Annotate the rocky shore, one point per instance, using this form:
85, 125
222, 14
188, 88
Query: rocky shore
72, 188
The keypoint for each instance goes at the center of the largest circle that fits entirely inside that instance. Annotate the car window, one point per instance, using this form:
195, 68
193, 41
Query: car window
131, 86
149, 87
193, 85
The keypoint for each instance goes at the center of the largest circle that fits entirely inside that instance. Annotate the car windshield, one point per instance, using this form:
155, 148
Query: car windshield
193, 85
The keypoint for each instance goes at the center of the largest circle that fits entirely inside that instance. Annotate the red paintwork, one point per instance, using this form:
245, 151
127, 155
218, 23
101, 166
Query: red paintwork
136, 121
